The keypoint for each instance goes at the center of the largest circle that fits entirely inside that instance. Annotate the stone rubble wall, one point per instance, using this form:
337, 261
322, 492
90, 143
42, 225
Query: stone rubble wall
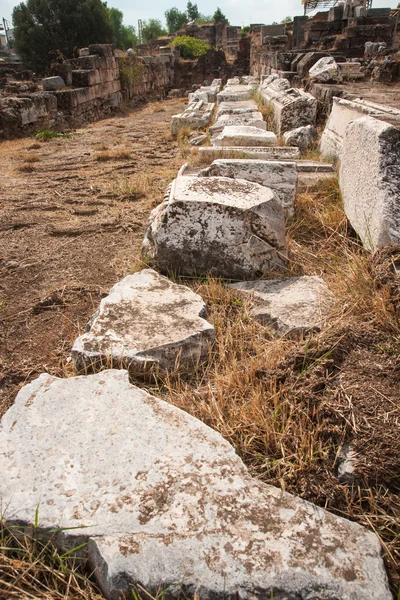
96, 84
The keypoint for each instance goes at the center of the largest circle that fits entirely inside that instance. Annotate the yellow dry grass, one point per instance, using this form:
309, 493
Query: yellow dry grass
113, 155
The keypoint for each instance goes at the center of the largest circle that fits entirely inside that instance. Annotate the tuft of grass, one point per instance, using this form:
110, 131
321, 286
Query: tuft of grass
49, 134
29, 158
113, 155
266, 110
34, 146
26, 168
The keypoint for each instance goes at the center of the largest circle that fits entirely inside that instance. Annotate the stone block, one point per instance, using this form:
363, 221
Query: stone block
197, 115
154, 493
302, 137
237, 108
86, 63
234, 93
51, 84
280, 177
63, 70
265, 153
307, 61
230, 228
84, 78
293, 306
146, 323
84, 52
326, 70
102, 49
253, 119
292, 107
344, 111
70, 99
370, 181
245, 136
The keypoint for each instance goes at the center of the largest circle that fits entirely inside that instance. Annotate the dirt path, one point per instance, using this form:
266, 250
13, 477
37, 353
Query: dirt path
73, 212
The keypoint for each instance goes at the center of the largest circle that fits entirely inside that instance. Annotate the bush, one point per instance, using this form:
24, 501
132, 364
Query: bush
190, 47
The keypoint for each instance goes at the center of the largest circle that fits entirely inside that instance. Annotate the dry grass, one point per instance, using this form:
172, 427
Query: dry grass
26, 168
34, 146
29, 158
113, 155
266, 110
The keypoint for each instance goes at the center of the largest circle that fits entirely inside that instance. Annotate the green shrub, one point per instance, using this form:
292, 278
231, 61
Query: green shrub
190, 47
49, 134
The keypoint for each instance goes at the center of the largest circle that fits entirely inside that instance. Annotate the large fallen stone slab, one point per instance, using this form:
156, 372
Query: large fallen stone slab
326, 70
237, 108
196, 115
146, 322
232, 135
261, 153
217, 225
163, 501
253, 119
292, 107
281, 177
290, 306
370, 181
344, 111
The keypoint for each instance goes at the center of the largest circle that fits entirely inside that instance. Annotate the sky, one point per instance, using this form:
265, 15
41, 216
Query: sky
239, 12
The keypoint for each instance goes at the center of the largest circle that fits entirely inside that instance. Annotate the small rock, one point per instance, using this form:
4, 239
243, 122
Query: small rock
326, 70
290, 306
302, 137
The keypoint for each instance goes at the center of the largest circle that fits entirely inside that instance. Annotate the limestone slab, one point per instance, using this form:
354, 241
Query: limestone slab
290, 306
326, 70
261, 153
253, 119
369, 179
234, 93
292, 107
51, 84
146, 321
164, 501
303, 137
232, 135
236, 108
281, 177
230, 228
196, 115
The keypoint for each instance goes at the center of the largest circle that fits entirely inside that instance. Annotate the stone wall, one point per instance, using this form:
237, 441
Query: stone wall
86, 89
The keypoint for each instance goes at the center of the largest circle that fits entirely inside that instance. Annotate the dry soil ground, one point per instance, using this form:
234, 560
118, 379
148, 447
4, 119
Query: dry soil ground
73, 212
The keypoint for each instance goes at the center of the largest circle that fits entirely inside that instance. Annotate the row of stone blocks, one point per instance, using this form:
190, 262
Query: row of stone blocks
157, 497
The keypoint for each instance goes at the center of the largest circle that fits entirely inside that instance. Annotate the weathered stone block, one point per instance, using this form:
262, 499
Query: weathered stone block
302, 137
296, 305
230, 228
280, 177
235, 93
261, 153
146, 322
292, 107
84, 77
245, 136
51, 84
102, 49
253, 119
237, 108
86, 63
326, 70
164, 500
370, 181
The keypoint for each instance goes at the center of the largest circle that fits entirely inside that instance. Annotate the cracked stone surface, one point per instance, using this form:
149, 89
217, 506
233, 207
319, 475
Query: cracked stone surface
294, 305
236, 135
146, 321
281, 177
164, 501
252, 119
237, 108
230, 228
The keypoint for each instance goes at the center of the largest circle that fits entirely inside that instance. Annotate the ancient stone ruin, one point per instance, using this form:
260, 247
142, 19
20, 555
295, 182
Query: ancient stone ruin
155, 495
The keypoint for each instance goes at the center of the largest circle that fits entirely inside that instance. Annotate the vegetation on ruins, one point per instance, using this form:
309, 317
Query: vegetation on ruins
192, 11
124, 35
190, 47
153, 29
175, 19
42, 27
219, 16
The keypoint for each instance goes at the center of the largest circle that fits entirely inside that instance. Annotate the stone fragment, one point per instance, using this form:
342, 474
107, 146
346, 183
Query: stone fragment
207, 93
292, 107
253, 119
145, 322
326, 70
261, 153
281, 177
302, 137
290, 306
232, 135
234, 93
370, 181
50, 84
163, 500
230, 228
196, 115
236, 108
198, 139
343, 111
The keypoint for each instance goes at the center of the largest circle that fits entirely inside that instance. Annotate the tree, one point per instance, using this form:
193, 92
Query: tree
124, 35
152, 29
219, 16
286, 20
175, 19
41, 27
192, 11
